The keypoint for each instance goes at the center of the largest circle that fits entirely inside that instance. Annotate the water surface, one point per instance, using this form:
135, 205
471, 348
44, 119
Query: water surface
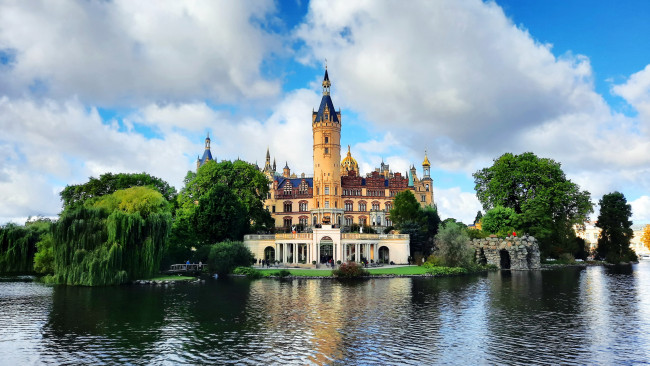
595, 315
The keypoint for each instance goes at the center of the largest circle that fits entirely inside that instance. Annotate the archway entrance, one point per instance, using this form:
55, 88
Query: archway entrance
326, 249
384, 256
269, 253
505, 259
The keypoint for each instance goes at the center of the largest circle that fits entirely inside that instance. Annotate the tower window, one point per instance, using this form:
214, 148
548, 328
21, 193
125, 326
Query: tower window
327, 150
327, 190
327, 139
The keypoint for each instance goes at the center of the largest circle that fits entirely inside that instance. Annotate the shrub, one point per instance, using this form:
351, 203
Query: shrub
226, 256
566, 258
284, 273
446, 271
433, 261
350, 270
477, 234
249, 272
453, 247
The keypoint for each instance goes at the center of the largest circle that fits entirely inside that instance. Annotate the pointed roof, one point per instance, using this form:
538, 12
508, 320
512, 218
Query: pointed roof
326, 78
326, 102
268, 155
426, 160
286, 165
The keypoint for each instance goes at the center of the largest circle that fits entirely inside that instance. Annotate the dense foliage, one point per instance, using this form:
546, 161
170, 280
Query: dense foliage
406, 208
445, 271
226, 256
112, 239
350, 270
249, 272
222, 201
616, 233
421, 224
18, 245
453, 248
501, 221
75, 196
548, 204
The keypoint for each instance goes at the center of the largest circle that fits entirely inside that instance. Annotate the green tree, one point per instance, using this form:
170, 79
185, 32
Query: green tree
18, 244
219, 216
501, 221
453, 248
112, 239
74, 196
247, 183
431, 223
548, 204
44, 257
616, 228
406, 208
224, 257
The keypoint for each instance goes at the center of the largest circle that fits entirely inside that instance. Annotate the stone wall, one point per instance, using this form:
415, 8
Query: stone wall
517, 253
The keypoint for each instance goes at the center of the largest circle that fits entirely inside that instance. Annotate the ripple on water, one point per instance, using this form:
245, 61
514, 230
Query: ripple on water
569, 316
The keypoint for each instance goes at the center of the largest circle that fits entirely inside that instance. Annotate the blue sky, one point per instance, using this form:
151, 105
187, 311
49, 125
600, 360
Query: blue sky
91, 87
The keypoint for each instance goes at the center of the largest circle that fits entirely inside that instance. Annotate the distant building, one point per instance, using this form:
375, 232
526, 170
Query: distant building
590, 233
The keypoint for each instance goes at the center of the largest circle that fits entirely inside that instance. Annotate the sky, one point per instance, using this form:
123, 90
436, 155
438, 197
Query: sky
89, 87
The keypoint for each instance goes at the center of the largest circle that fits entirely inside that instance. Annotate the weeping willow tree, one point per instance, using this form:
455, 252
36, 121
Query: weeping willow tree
112, 240
18, 245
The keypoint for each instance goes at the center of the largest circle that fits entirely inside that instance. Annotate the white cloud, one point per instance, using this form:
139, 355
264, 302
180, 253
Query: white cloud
641, 210
67, 142
453, 202
122, 52
460, 79
636, 91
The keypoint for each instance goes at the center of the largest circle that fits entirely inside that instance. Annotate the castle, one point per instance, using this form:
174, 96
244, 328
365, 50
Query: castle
336, 197
337, 194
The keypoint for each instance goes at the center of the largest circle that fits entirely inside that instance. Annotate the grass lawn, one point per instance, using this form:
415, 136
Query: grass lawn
410, 270
171, 278
300, 272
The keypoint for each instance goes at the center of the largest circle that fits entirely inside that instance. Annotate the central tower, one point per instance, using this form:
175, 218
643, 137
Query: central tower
326, 127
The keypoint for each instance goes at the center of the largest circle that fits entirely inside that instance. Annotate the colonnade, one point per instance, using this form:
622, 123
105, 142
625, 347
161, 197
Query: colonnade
293, 253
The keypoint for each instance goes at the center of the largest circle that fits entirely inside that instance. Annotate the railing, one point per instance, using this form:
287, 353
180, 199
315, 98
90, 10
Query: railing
373, 236
186, 267
294, 236
309, 236
259, 237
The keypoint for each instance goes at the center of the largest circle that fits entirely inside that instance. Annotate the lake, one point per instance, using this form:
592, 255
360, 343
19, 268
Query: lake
593, 315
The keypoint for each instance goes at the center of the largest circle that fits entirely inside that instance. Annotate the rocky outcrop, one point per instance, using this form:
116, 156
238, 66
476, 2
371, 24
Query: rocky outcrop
517, 253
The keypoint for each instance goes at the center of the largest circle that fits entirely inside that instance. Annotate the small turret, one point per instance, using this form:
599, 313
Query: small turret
286, 172
426, 166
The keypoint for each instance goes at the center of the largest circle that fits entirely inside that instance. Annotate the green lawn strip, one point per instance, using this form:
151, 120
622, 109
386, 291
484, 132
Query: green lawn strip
410, 270
300, 272
171, 278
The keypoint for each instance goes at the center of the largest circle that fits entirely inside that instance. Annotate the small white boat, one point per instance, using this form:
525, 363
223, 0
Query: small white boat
644, 257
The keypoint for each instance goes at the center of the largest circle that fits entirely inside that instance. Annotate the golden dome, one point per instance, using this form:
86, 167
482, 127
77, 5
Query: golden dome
348, 163
426, 160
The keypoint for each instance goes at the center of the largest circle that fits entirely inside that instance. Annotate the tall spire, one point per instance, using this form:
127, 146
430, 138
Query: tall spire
268, 155
326, 83
207, 142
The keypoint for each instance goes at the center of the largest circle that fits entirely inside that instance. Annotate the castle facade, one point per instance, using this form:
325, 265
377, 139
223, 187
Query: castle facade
318, 211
